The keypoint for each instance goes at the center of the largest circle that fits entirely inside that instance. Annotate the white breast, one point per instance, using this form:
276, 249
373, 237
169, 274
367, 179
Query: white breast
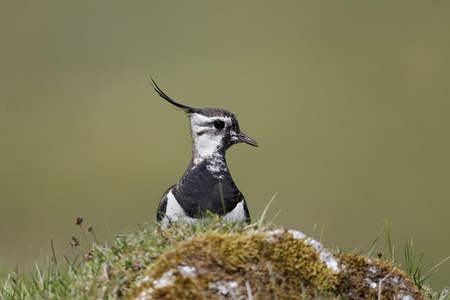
174, 212
237, 214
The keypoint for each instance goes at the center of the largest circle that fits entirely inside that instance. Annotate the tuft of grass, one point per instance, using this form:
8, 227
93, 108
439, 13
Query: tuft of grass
412, 265
105, 271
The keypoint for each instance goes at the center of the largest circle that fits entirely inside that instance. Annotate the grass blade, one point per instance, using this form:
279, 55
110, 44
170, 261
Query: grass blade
263, 216
374, 243
389, 241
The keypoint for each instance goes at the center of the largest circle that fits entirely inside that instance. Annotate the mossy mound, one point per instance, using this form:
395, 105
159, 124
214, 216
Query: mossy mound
363, 277
276, 264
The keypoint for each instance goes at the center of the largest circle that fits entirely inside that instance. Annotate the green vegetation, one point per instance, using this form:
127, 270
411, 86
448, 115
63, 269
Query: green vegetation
261, 264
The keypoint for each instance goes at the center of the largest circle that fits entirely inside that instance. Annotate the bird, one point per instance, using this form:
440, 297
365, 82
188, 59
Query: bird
207, 186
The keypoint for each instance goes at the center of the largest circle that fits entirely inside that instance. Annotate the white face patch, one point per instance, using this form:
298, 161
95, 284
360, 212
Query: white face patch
206, 144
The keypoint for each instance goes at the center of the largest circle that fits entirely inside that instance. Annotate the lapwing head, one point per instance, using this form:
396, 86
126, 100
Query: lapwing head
213, 130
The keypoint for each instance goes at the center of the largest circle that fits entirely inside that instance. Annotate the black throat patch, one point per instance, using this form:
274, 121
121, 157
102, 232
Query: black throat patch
199, 191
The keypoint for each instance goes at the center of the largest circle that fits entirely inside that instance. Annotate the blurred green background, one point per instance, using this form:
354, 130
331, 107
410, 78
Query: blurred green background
349, 101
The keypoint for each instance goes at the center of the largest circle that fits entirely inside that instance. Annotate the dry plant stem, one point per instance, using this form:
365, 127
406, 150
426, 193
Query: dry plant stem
381, 283
393, 254
249, 290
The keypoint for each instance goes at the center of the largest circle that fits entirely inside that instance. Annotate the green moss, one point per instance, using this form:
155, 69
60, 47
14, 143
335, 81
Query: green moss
362, 277
277, 268
189, 290
230, 265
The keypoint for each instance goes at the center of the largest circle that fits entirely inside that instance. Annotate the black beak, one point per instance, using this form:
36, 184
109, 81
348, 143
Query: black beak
241, 137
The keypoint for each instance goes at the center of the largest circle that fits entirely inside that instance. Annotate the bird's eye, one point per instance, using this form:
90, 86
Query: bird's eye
219, 124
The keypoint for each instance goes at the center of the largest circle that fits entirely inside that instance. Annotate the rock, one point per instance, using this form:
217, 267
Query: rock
279, 264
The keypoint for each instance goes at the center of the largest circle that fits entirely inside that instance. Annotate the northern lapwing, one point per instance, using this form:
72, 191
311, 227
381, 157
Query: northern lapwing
206, 186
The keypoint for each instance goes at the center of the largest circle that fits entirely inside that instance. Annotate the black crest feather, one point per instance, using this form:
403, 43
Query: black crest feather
188, 109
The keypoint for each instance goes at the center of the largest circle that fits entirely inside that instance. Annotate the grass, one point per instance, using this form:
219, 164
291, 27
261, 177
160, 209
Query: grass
111, 270
106, 271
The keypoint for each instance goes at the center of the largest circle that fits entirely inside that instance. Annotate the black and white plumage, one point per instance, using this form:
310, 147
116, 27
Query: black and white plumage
207, 184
